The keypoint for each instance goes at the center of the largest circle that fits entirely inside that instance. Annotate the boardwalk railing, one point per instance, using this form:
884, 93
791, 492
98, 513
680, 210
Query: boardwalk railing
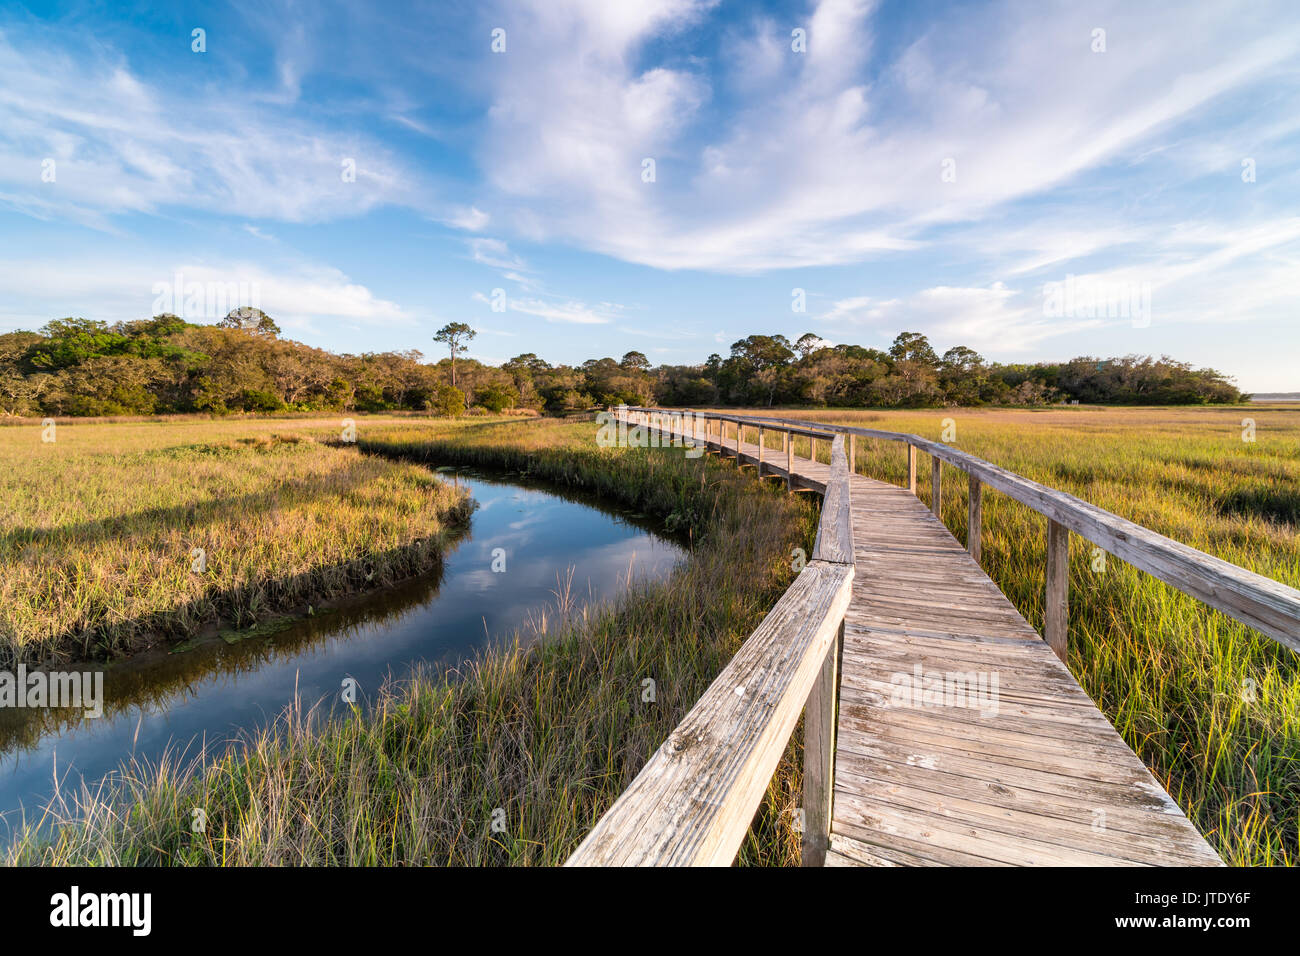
1268, 606
693, 802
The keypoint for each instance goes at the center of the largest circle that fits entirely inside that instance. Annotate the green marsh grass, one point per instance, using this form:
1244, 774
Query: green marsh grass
99, 528
550, 735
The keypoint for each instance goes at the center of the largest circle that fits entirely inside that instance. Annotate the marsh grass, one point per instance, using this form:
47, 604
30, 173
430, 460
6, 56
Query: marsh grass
548, 735
98, 535
1211, 707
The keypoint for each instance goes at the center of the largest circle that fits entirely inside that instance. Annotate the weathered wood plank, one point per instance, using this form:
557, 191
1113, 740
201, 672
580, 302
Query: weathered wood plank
936, 487
975, 520
835, 529
1030, 774
1056, 612
819, 757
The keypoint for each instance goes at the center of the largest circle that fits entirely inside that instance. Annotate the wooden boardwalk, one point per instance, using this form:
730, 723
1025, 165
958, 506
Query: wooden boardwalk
961, 738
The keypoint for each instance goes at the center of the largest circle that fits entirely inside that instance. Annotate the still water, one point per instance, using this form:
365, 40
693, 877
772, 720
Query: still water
180, 703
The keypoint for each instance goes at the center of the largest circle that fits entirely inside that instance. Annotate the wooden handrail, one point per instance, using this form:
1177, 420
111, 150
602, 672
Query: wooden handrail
694, 800
1268, 606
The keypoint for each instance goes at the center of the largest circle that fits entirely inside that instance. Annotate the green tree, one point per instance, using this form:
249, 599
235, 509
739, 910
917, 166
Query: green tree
249, 319
456, 336
449, 401
634, 362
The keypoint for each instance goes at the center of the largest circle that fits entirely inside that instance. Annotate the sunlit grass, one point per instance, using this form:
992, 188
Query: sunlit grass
100, 528
549, 736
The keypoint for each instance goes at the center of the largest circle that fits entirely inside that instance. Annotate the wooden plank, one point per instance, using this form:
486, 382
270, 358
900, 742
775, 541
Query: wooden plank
936, 487
835, 529
789, 460
818, 757
1039, 778
975, 520
911, 468
693, 801
1056, 613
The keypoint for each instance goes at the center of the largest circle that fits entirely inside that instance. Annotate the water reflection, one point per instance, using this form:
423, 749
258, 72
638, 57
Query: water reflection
180, 702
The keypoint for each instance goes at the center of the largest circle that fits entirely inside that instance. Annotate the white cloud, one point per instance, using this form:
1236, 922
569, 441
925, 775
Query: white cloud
834, 156
555, 308
297, 295
471, 219
120, 145
495, 253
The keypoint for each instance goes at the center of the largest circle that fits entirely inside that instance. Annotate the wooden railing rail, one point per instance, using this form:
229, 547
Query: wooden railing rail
695, 799
1268, 606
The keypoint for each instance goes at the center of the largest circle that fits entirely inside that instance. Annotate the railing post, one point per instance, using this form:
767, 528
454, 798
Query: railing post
760, 451
936, 486
853, 454
974, 519
789, 461
812, 449
1056, 608
911, 468
819, 757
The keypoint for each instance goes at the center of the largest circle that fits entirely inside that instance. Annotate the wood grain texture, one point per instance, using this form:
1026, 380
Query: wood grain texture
1027, 773
1056, 606
936, 487
975, 520
819, 757
835, 529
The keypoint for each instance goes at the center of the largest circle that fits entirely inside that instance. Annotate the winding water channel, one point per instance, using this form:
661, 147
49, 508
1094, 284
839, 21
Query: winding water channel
180, 703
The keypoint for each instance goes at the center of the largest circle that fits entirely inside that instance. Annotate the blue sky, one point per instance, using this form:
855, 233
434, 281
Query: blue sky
943, 168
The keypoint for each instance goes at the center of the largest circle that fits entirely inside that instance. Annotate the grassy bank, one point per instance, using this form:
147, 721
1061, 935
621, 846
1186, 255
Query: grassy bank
100, 528
1211, 707
541, 740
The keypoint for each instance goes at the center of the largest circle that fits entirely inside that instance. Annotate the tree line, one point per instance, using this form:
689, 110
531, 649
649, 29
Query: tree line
86, 367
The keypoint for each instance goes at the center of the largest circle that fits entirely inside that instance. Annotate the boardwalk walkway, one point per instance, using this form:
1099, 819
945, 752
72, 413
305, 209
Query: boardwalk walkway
1028, 772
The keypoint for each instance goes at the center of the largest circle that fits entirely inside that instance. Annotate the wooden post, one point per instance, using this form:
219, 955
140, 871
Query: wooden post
789, 461
911, 468
812, 449
819, 758
936, 486
974, 519
853, 454
760, 451
1056, 609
